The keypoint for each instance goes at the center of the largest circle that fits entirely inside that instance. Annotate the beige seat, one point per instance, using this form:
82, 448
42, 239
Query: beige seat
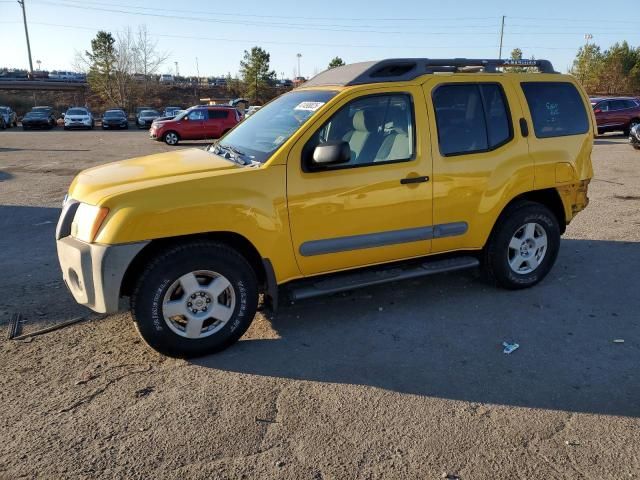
396, 144
357, 138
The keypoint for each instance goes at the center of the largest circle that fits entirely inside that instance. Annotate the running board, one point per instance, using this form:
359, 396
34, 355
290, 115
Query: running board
350, 281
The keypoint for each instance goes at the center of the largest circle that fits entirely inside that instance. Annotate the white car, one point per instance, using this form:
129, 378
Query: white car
78, 117
251, 110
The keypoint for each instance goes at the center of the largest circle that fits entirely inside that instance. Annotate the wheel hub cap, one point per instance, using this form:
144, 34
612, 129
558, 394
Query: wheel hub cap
527, 248
198, 304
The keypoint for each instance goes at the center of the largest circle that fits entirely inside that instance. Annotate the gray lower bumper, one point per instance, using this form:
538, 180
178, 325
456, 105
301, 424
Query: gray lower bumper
94, 272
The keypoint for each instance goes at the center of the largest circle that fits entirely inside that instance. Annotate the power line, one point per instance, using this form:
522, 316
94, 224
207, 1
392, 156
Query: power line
293, 17
289, 26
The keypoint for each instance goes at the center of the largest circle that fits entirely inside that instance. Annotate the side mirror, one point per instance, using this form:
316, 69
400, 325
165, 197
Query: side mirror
597, 110
331, 153
63, 114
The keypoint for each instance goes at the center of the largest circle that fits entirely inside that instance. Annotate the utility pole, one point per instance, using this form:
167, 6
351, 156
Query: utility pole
26, 33
299, 55
501, 36
177, 74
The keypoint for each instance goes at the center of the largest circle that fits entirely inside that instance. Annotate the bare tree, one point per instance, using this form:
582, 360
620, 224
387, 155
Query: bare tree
147, 58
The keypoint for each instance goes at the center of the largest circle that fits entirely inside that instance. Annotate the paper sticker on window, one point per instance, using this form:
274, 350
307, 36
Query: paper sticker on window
309, 106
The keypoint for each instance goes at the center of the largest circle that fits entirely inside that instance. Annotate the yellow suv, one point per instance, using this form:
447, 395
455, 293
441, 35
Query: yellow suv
369, 173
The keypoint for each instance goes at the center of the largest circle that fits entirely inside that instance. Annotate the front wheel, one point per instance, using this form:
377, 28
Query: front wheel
171, 138
195, 299
523, 246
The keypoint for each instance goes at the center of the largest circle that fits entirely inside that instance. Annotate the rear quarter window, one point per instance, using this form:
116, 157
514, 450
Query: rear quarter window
557, 109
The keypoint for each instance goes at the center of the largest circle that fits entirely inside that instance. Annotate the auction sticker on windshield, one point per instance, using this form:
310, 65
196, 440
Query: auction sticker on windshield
309, 106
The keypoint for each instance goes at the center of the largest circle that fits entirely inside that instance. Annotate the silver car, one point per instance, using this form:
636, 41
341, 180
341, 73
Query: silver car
9, 116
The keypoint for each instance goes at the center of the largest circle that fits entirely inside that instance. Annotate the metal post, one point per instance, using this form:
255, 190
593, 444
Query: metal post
299, 55
26, 33
501, 36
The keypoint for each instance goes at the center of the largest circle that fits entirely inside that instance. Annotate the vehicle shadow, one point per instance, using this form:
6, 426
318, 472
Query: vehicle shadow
4, 176
621, 141
442, 336
30, 280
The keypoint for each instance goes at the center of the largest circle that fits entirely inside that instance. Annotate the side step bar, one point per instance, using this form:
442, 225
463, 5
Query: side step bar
350, 281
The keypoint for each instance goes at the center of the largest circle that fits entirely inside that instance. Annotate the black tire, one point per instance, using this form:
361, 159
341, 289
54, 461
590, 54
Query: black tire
164, 270
167, 136
496, 254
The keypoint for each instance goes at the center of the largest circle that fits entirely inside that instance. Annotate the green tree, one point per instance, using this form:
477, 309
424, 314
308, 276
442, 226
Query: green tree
101, 62
336, 62
254, 69
587, 67
620, 69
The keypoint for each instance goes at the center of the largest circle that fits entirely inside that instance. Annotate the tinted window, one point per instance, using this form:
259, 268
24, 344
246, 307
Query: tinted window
556, 108
218, 114
377, 128
471, 118
618, 105
77, 111
629, 104
602, 106
497, 114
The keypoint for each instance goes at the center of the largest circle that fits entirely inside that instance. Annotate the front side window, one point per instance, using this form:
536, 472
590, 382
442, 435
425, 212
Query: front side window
198, 114
378, 128
556, 108
471, 118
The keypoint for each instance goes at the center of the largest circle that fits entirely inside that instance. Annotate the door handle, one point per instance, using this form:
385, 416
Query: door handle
524, 128
409, 180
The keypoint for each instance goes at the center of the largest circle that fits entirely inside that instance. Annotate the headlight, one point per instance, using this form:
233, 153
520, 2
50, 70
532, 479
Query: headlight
87, 221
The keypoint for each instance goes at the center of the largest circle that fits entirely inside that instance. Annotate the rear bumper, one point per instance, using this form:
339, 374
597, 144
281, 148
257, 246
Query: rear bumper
93, 273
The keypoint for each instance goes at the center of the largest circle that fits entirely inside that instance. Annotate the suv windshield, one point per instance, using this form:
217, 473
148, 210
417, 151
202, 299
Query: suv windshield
261, 135
149, 113
76, 111
114, 113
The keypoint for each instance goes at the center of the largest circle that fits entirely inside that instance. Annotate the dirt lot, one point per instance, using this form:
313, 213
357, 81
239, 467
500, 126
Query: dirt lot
403, 381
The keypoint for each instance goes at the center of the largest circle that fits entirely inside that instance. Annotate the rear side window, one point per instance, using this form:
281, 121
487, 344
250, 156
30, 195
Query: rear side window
471, 118
556, 108
218, 114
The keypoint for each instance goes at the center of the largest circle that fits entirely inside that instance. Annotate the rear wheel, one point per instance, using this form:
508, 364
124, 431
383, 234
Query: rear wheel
195, 299
523, 246
171, 138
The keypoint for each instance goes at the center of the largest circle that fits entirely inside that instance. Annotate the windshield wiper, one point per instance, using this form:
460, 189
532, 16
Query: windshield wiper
232, 153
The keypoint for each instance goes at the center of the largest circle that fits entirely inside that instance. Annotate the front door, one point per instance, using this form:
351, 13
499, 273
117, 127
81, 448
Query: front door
192, 126
374, 208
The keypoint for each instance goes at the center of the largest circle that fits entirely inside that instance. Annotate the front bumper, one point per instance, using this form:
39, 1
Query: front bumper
94, 273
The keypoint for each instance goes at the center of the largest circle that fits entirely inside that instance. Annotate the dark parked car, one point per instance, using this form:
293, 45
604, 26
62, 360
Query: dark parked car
51, 114
146, 118
115, 119
37, 119
139, 110
616, 114
9, 116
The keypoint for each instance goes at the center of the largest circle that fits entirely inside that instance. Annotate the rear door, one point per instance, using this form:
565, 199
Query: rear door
479, 155
213, 126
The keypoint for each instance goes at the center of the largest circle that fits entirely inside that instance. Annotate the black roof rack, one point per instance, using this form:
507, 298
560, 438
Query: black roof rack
403, 69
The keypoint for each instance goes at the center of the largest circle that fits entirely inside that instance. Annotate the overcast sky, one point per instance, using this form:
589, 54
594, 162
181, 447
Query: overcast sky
355, 30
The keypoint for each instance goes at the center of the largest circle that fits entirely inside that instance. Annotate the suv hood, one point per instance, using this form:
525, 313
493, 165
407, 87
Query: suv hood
95, 184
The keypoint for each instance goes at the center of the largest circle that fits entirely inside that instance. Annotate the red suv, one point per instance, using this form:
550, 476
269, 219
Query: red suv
197, 123
616, 114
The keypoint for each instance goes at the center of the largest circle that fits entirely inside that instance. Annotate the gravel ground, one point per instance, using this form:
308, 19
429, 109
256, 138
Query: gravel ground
406, 380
